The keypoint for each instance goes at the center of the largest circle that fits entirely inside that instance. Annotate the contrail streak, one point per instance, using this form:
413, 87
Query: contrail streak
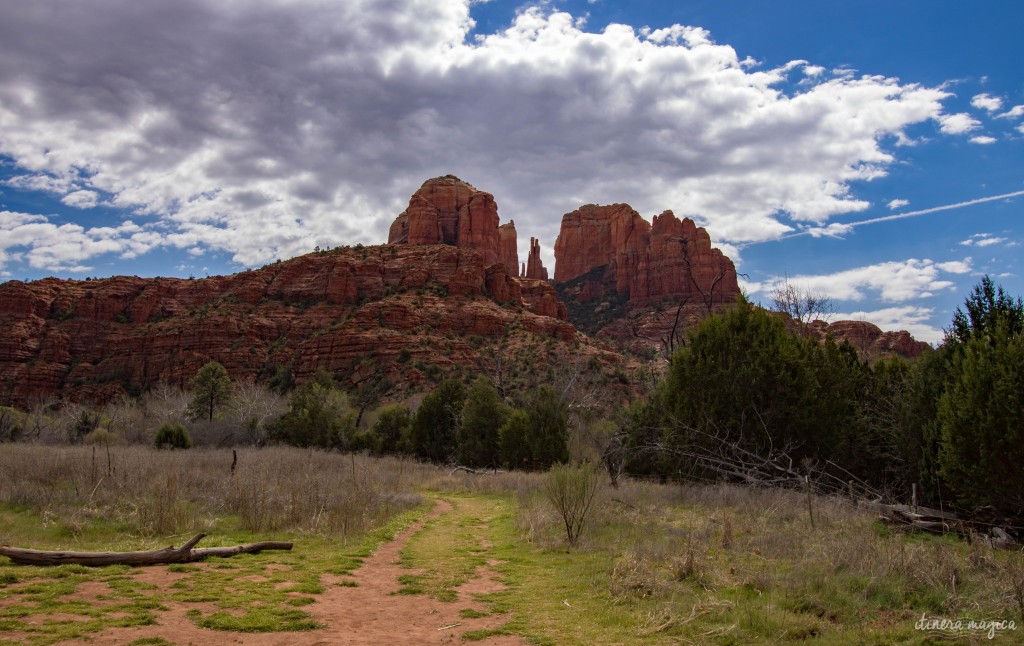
936, 209
843, 227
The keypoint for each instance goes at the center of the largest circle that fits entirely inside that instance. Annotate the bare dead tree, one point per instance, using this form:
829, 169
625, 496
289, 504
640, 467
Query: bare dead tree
726, 456
166, 402
10, 429
674, 334
802, 304
187, 553
253, 406
614, 458
707, 296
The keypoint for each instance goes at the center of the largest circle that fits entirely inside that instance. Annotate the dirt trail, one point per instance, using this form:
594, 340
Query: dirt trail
369, 613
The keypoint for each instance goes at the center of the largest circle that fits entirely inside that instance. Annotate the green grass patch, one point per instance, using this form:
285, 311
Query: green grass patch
251, 593
259, 620
683, 573
448, 549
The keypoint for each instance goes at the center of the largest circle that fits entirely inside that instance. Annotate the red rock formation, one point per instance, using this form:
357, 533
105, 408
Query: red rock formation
447, 210
871, 342
502, 287
594, 236
334, 310
541, 297
641, 262
534, 266
508, 251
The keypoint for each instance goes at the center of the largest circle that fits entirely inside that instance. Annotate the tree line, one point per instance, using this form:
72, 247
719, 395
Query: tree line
472, 426
745, 399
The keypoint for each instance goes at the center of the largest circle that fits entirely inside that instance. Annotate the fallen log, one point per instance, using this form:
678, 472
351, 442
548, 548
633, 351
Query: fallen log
164, 556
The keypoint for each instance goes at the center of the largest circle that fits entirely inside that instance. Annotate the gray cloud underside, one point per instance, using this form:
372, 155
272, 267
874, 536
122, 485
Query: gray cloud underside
264, 128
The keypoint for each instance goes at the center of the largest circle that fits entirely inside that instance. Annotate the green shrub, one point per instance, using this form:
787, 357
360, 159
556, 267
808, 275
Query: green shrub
172, 436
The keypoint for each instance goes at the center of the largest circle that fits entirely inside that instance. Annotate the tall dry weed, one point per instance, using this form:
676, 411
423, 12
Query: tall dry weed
167, 492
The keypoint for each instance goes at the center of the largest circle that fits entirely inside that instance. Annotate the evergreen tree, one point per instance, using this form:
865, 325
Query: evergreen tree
988, 308
744, 378
549, 427
744, 384
483, 414
981, 445
433, 431
390, 431
172, 436
925, 383
318, 415
536, 435
211, 390
513, 441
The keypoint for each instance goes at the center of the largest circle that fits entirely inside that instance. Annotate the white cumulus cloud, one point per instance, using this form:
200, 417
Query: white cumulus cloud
265, 128
42, 244
986, 102
894, 282
81, 199
958, 124
982, 240
1013, 113
897, 204
983, 140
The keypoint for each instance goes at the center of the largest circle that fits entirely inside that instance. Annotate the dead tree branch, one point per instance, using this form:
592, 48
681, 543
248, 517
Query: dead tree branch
183, 554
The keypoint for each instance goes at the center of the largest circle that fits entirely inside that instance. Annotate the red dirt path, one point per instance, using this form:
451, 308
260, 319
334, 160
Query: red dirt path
369, 613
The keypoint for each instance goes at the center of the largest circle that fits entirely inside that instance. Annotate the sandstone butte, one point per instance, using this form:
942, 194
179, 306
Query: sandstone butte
870, 341
611, 249
447, 275
610, 253
446, 210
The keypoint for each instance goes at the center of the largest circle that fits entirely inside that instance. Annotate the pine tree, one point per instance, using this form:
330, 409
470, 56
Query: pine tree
211, 390
434, 426
483, 414
982, 436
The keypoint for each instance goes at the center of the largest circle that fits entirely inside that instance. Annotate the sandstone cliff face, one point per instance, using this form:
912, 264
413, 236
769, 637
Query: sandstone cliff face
593, 236
612, 250
508, 251
534, 266
349, 311
447, 210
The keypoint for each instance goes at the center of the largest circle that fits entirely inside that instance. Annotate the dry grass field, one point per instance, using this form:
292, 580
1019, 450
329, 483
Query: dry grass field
655, 564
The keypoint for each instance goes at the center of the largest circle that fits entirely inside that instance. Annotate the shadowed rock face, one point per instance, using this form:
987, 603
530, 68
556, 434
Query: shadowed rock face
615, 251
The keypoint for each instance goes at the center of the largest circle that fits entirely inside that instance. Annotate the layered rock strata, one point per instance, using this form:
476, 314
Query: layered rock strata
612, 250
447, 210
349, 311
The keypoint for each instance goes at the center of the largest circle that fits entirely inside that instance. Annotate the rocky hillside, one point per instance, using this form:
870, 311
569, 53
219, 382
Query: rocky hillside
446, 294
405, 312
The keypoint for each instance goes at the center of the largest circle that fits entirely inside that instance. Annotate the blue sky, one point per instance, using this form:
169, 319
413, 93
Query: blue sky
201, 137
